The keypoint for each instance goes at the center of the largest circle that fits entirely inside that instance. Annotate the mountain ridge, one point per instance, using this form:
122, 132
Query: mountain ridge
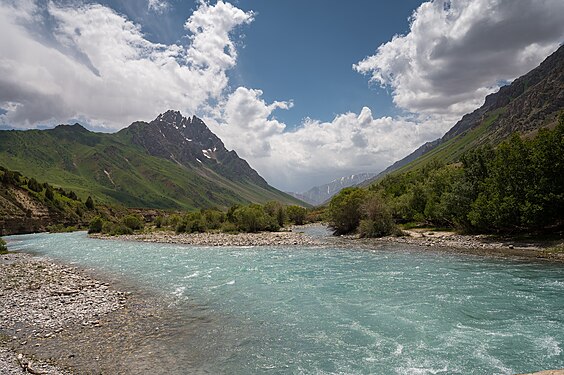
320, 194
140, 166
530, 102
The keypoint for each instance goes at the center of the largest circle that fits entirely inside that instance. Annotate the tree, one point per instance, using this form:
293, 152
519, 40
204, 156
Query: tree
133, 222
296, 214
89, 203
253, 218
96, 225
49, 194
344, 212
377, 219
277, 211
33, 185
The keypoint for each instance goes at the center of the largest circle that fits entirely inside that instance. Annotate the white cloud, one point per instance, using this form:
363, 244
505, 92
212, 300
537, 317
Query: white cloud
210, 27
96, 64
92, 63
316, 152
458, 51
158, 6
455, 54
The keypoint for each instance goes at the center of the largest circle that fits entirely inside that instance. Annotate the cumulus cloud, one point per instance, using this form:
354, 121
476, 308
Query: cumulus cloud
89, 62
316, 152
97, 64
458, 51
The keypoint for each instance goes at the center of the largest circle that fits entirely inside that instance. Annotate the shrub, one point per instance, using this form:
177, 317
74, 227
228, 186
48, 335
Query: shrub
193, 222
158, 221
253, 218
229, 227
213, 218
3, 247
89, 203
277, 211
173, 220
180, 228
33, 185
49, 194
296, 214
344, 212
119, 229
133, 222
96, 225
377, 219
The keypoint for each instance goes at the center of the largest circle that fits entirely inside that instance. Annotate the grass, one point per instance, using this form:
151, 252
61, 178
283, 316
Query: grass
115, 172
452, 150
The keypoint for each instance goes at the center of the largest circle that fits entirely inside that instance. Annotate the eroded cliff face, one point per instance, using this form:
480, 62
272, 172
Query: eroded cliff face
21, 213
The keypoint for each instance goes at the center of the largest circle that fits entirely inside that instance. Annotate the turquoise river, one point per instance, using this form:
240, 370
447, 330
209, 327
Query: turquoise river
325, 310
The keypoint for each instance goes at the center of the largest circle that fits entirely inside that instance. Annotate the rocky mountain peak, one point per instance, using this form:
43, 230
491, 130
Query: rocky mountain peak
188, 141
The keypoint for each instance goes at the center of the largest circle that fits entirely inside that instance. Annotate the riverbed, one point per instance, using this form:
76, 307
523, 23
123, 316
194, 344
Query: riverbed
393, 309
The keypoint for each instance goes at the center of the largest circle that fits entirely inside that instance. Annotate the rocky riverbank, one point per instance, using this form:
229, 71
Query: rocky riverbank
551, 249
318, 235
58, 319
294, 238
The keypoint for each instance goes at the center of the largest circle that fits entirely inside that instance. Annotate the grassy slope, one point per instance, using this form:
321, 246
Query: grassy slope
452, 150
75, 159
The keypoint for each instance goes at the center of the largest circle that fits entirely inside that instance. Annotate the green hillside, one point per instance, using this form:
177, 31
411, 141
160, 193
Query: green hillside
114, 171
528, 104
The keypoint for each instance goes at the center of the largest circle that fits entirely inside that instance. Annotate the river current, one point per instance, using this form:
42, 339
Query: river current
322, 310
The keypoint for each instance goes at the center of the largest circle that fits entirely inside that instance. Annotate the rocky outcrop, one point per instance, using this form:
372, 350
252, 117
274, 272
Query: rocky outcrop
189, 142
21, 213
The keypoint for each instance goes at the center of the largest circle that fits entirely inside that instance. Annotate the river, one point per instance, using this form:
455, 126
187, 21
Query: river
323, 310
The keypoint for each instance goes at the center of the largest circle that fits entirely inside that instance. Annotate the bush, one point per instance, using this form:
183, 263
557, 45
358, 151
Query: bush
377, 219
49, 194
119, 229
96, 225
253, 218
133, 222
277, 211
180, 228
158, 222
89, 203
173, 220
3, 247
296, 214
344, 211
213, 219
33, 185
193, 223
229, 227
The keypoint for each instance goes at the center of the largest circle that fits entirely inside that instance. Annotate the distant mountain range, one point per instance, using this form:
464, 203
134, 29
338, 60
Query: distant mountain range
320, 194
527, 104
171, 162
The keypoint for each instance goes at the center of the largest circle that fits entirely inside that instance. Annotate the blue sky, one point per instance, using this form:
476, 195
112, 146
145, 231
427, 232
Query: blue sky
316, 72
305, 91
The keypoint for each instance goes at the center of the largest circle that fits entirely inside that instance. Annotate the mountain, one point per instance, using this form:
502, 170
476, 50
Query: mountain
171, 162
532, 101
320, 194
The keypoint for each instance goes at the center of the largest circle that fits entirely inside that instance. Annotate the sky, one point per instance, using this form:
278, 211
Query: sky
305, 91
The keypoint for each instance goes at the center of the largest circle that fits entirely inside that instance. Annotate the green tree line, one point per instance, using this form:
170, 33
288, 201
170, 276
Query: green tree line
516, 186
272, 216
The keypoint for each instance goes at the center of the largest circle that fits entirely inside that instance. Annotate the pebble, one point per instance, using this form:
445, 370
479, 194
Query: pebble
221, 239
43, 299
